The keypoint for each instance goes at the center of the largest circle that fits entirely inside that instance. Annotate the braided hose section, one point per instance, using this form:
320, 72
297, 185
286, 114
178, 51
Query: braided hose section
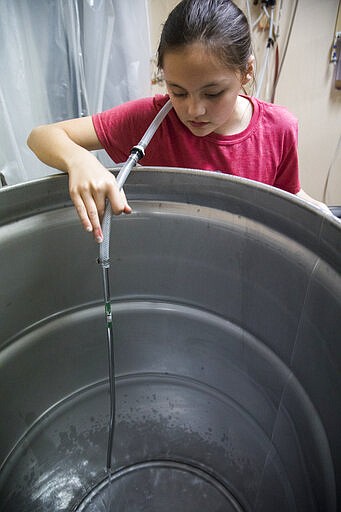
136, 153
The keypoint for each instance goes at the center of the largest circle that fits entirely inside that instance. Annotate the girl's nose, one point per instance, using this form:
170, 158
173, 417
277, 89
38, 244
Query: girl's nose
195, 107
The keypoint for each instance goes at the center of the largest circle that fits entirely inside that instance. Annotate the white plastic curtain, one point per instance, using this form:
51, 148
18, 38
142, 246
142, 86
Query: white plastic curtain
61, 59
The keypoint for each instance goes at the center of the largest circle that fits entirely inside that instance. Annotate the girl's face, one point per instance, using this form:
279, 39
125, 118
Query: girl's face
203, 92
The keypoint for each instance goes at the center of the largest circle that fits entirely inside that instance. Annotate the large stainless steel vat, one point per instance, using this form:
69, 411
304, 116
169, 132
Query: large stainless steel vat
226, 300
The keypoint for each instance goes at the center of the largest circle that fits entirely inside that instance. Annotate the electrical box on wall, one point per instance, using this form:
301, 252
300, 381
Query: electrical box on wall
338, 61
336, 54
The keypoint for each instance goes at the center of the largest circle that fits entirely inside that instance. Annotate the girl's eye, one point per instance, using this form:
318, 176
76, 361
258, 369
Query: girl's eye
215, 95
179, 94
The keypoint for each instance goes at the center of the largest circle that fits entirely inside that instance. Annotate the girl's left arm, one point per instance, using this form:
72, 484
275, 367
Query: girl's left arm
309, 199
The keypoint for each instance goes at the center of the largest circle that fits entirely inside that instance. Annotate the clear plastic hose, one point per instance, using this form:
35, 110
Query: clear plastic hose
136, 153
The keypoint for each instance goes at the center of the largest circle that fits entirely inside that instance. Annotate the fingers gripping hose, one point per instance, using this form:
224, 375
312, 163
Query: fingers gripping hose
134, 157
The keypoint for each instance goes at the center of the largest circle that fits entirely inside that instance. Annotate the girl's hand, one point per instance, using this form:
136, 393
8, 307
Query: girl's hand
90, 183
67, 146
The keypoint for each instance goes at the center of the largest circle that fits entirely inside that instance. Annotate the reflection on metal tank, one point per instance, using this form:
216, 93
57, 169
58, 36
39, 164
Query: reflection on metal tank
226, 304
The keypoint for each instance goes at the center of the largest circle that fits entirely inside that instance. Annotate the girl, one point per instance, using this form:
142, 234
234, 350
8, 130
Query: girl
206, 58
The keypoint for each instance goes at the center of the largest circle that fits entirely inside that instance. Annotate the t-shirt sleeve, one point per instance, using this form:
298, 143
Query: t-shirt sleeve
122, 127
287, 177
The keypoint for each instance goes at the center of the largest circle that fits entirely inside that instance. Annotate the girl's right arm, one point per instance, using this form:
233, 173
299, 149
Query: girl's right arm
67, 146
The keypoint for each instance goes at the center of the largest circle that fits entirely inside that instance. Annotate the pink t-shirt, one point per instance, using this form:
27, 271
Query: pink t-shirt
265, 151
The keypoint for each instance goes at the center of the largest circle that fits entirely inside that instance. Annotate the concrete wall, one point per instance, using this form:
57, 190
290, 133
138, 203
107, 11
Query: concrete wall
306, 87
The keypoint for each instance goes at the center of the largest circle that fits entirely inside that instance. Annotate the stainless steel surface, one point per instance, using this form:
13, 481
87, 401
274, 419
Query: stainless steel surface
226, 304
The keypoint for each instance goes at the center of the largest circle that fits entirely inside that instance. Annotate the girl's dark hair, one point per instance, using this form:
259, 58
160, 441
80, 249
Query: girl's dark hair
218, 24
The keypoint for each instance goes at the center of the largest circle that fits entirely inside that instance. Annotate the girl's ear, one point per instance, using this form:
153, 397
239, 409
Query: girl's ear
249, 73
